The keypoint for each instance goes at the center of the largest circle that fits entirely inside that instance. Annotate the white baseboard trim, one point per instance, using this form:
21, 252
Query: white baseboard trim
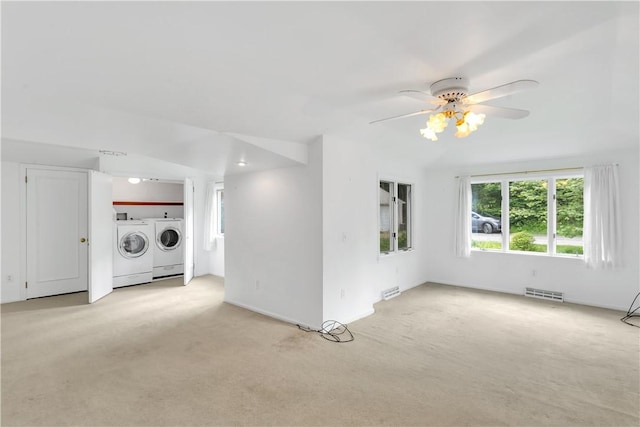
355, 317
286, 319
270, 314
503, 291
590, 304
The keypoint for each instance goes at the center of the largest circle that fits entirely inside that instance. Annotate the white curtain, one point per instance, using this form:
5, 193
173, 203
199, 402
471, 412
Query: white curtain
210, 218
462, 227
602, 226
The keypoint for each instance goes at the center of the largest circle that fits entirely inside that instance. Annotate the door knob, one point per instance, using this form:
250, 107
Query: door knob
82, 240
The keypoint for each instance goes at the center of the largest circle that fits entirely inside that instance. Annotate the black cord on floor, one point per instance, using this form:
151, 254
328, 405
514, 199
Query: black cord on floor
332, 330
631, 313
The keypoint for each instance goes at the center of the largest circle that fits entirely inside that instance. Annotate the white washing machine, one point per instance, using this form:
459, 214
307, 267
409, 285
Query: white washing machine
168, 251
132, 252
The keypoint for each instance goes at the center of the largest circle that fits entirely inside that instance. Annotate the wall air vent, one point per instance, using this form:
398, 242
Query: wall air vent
390, 293
540, 293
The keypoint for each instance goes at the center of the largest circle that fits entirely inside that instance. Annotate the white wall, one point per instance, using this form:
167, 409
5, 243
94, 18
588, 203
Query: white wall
354, 273
273, 241
216, 258
506, 272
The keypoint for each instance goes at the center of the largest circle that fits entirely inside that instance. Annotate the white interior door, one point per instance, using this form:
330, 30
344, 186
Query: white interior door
100, 235
56, 226
188, 230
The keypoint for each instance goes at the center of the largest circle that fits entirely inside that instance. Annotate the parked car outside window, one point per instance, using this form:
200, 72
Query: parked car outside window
485, 224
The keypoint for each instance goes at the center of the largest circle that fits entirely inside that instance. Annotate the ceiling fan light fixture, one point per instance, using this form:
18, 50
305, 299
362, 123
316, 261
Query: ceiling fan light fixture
469, 123
429, 134
466, 122
436, 124
454, 102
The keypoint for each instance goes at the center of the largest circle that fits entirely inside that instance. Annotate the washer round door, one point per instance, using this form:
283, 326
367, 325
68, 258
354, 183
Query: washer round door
169, 239
133, 244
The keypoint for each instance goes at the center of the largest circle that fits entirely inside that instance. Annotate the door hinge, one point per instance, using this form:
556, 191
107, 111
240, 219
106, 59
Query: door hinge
26, 284
25, 179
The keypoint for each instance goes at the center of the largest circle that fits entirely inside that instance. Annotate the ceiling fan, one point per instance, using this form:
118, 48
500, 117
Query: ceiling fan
450, 99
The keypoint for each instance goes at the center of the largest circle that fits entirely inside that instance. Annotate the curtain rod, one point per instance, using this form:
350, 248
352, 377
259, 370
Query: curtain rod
527, 172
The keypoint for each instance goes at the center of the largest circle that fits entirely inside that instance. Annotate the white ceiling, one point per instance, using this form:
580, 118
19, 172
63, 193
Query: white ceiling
170, 80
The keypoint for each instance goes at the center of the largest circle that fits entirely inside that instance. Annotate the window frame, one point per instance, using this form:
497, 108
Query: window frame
551, 177
394, 216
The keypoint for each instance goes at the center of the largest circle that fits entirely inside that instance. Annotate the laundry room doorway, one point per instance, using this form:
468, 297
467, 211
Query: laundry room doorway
168, 205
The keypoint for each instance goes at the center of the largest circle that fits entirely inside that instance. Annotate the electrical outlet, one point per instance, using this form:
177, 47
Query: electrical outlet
342, 293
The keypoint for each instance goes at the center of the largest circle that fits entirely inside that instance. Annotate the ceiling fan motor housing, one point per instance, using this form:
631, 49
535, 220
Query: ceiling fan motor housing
451, 89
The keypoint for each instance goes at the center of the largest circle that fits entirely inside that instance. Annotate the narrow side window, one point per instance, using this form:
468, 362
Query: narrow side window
404, 216
386, 219
220, 211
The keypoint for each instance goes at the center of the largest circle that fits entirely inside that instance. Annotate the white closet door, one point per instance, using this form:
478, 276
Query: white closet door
100, 236
57, 247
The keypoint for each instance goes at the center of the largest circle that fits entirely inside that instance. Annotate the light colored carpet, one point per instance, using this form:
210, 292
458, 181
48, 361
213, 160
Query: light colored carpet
166, 355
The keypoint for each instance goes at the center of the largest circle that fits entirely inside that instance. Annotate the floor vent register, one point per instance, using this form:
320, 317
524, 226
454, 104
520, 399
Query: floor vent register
541, 293
390, 293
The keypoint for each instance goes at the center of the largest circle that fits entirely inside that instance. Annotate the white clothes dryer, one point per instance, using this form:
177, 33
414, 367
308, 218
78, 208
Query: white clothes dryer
132, 253
168, 252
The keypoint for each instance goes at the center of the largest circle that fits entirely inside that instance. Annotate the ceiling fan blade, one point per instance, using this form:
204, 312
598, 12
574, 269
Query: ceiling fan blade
507, 113
422, 96
402, 116
500, 91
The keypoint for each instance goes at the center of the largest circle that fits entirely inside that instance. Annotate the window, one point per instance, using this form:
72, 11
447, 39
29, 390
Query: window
528, 213
486, 212
220, 211
569, 215
542, 214
395, 216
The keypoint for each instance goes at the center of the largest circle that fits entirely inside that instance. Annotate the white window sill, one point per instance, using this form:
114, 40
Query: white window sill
538, 254
391, 254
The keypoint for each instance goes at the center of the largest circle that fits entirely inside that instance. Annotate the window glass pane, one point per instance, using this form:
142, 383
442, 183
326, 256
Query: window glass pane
569, 215
528, 216
404, 216
220, 225
486, 210
386, 216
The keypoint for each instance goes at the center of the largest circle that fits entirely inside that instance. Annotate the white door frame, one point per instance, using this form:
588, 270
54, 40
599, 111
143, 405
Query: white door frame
23, 216
189, 219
